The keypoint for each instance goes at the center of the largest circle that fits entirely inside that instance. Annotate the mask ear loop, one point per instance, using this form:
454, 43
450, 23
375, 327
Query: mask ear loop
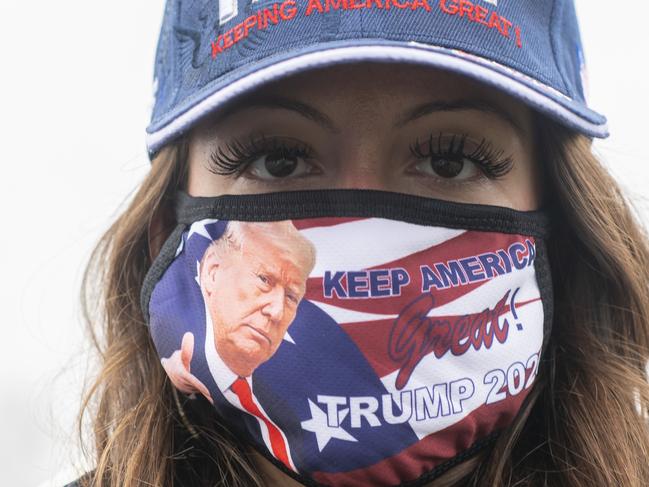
159, 228
183, 416
161, 224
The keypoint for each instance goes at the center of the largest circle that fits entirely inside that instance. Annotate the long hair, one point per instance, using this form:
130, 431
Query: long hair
583, 425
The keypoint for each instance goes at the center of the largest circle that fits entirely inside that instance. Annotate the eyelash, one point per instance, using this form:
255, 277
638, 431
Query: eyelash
235, 157
491, 161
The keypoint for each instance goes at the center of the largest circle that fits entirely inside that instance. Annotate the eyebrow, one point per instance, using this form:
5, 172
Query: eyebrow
459, 106
307, 111
419, 111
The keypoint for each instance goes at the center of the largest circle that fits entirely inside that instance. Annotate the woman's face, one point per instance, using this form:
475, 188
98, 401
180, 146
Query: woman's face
396, 128
390, 127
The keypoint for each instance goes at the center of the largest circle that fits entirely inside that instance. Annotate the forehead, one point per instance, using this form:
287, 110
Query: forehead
384, 86
372, 75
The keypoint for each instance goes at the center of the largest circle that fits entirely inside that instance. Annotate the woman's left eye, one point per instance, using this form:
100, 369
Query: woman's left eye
454, 157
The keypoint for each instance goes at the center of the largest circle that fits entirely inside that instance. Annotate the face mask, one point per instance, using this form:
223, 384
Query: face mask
353, 337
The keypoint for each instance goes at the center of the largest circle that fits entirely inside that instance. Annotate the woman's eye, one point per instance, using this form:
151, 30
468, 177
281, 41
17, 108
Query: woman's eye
448, 168
456, 158
277, 166
263, 158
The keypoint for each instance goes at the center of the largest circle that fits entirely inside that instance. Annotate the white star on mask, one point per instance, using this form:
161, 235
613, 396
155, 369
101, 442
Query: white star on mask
323, 432
198, 228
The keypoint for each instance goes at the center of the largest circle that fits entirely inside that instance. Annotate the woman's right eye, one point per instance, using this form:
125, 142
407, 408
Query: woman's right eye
278, 166
263, 158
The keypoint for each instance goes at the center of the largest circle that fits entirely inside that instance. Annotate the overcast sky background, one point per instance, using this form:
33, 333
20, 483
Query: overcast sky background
75, 95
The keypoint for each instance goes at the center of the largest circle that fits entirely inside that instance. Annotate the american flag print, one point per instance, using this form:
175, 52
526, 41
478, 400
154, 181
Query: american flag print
411, 345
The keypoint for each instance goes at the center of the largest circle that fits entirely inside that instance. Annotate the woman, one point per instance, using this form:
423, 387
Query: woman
391, 262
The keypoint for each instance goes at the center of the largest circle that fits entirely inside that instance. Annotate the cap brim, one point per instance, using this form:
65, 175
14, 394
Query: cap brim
569, 112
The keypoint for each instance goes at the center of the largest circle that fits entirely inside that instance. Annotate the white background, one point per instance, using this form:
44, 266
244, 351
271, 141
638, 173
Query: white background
75, 92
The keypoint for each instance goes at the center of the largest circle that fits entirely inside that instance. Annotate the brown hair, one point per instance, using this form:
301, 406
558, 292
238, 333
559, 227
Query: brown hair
584, 424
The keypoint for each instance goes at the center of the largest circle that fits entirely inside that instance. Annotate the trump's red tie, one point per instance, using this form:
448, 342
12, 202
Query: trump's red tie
243, 392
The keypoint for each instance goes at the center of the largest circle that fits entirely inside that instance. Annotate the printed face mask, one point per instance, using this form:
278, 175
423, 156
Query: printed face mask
353, 337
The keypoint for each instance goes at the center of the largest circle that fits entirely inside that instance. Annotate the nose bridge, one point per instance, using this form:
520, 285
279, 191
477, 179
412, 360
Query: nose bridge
274, 306
364, 152
363, 160
354, 177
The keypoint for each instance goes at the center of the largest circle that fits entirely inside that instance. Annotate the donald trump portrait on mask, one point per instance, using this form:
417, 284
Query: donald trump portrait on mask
252, 279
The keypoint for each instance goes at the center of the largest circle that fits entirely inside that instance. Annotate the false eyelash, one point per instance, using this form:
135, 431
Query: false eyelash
235, 156
493, 162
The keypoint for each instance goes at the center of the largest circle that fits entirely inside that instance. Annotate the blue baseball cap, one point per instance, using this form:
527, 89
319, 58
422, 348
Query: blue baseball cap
213, 51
